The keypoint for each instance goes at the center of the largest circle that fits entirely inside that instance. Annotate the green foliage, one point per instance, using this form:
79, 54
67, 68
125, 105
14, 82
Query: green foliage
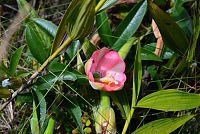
14, 61
172, 34
61, 100
165, 125
38, 42
129, 25
170, 100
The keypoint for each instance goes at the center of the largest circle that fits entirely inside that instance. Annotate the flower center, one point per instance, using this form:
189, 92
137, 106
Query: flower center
109, 79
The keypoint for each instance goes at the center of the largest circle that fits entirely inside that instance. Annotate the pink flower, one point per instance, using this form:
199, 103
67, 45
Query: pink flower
105, 70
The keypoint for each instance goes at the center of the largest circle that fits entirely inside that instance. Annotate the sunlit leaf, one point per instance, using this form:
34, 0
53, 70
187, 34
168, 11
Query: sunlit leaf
170, 100
50, 126
34, 121
165, 125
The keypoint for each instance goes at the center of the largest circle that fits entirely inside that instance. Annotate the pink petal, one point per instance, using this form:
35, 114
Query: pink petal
111, 61
97, 56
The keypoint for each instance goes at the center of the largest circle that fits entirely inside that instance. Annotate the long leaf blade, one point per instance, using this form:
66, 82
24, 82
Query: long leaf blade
129, 25
166, 125
170, 100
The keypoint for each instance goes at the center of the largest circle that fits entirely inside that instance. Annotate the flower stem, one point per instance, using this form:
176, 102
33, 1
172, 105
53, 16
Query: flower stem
104, 100
128, 121
99, 5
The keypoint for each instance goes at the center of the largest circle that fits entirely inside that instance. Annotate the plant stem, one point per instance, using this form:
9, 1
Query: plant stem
69, 39
99, 5
104, 100
128, 121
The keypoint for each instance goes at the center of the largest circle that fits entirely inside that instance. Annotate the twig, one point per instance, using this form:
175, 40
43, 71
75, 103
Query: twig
28, 83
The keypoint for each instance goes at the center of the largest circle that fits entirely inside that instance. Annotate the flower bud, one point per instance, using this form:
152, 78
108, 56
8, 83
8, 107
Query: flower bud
105, 121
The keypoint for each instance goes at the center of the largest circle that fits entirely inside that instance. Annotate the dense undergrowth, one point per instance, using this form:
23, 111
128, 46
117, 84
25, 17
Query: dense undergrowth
44, 47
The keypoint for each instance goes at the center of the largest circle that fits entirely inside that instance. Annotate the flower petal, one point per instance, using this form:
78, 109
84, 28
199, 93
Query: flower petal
97, 56
111, 61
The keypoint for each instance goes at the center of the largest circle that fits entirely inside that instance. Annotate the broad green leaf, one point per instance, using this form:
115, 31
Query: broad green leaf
170, 100
129, 25
34, 121
49, 79
76, 27
164, 126
80, 26
183, 19
4, 92
15, 60
172, 34
103, 27
48, 27
50, 126
148, 55
38, 42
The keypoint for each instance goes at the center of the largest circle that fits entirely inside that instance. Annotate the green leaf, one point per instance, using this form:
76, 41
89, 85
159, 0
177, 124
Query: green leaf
4, 92
76, 27
15, 60
24, 98
47, 80
88, 48
129, 25
148, 55
170, 100
166, 125
50, 126
42, 105
73, 48
24, 4
172, 34
137, 73
48, 27
183, 19
34, 121
38, 42
124, 50
103, 27
107, 4
76, 113
56, 65
121, 100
